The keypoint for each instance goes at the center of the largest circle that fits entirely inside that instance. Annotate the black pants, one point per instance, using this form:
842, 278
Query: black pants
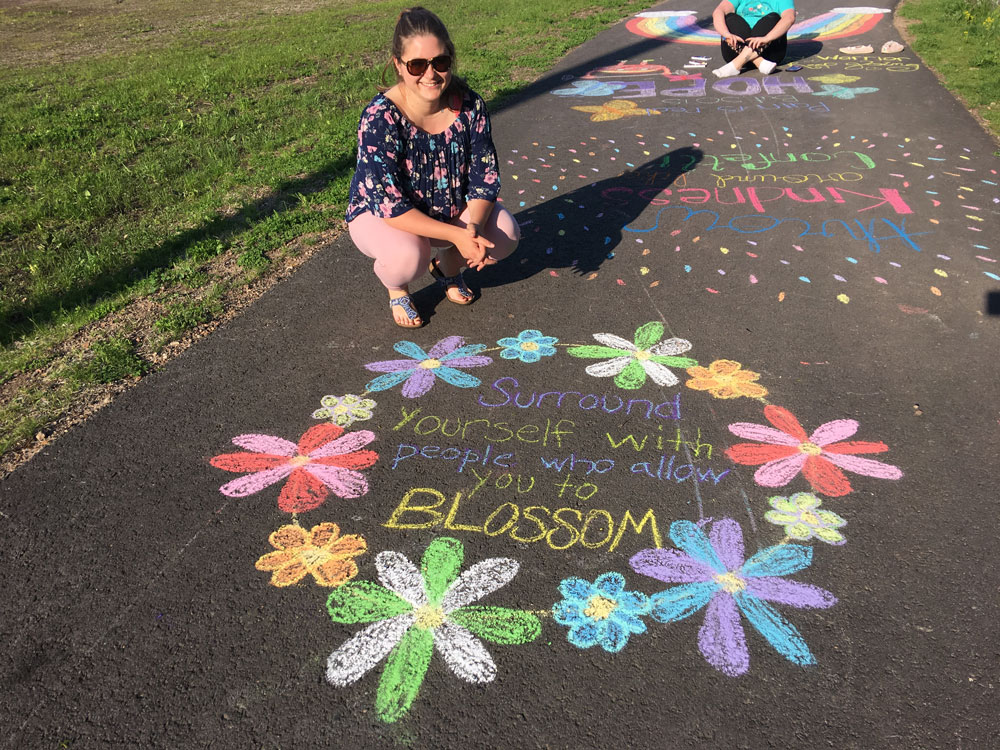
775, 51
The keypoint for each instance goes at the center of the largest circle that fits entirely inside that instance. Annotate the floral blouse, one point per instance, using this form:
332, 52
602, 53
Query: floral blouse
401, 167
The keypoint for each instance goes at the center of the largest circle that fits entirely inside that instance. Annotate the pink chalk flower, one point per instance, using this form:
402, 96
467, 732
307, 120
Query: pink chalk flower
324, 460
788, 450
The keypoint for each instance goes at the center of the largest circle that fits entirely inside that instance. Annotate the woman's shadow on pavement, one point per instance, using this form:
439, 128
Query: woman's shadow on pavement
581, 229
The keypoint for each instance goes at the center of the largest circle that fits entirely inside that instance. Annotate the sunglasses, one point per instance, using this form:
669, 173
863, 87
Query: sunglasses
417, 66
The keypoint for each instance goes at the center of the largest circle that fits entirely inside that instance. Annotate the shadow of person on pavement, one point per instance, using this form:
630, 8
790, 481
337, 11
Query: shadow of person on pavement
581, 229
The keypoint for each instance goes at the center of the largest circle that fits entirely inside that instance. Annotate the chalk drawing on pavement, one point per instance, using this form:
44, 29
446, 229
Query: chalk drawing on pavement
325, 460
416, 612
321, 551
600, 613
684, 26
412, 612
802, 519
785, 449
883, 199
715, 576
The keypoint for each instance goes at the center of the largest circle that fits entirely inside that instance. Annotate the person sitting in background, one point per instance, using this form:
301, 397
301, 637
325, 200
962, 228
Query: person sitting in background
764, 43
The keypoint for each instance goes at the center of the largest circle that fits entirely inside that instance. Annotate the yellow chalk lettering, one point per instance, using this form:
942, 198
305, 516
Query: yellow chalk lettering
591, 515
543, 529
405, 507
627, 518
449, 522
515, 512
574, 533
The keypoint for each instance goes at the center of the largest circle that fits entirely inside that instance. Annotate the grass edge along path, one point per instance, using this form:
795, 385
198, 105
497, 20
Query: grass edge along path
218, 244
959, 40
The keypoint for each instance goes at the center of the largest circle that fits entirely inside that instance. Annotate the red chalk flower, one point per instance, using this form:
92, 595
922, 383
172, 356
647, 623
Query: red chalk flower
324, 460
787, 450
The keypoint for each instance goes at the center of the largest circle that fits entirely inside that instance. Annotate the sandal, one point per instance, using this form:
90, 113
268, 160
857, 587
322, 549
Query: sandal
452, 282
406, 304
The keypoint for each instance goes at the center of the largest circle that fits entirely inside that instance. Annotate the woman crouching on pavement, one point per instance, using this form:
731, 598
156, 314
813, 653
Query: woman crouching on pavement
752, 31
427, 174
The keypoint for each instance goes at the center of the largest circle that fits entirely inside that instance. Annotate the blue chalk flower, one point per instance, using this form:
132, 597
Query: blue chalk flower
529, 346
602, 612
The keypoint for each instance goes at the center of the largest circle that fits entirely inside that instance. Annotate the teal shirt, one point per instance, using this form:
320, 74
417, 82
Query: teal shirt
760, 8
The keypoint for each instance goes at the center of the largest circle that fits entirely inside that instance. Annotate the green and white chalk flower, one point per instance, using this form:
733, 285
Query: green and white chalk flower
630, 363
416, 612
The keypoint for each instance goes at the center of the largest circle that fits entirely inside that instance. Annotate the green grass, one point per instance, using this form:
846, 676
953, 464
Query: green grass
109, 361
127, 175
960, 39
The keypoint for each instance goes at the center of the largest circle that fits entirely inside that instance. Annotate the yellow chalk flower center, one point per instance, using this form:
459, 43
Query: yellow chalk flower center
429, 617
642, 355
314, 556
810, 518
600, 608
529, 346
299, 460
731, 583
810, 449
430, 364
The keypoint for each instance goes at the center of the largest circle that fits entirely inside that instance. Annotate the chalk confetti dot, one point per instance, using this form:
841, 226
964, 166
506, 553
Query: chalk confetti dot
655, 283
935, 291
992, 275
713, 291
621, 283
781, 296
843, 298
592, 277
687, 269
724, 250
805, 279
939, 272
643, 270
880, 280
646, 251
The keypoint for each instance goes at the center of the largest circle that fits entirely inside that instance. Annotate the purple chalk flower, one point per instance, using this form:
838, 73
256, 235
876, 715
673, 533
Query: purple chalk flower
714, 575
419, 372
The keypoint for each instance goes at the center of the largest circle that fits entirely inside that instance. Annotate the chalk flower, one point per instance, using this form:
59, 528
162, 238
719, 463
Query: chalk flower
602, 612
803, 519
344, 410
321, 551
529, 346
416, 612
726, 379
787, 450
714, 576
326, 459
419, 372
630, 362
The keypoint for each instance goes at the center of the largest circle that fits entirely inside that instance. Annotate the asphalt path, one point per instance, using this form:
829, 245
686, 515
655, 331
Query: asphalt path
707, 464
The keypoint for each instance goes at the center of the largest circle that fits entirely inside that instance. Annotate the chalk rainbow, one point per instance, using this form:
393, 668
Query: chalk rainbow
684, 27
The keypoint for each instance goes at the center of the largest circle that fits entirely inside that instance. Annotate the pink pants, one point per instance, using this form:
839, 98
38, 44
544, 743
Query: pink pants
401, 257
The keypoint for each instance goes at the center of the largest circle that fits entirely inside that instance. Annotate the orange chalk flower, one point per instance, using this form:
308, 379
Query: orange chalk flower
726, 379
320, 551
